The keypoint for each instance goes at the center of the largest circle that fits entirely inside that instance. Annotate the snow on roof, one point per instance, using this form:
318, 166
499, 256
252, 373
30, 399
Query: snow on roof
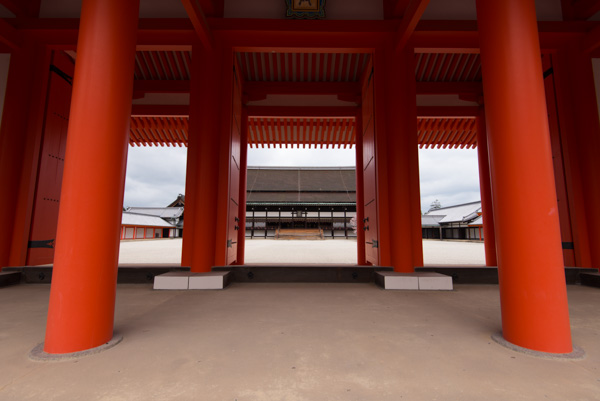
143, 220
457, 213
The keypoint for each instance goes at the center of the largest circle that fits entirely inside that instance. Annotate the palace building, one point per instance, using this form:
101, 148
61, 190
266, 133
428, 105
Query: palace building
84, 80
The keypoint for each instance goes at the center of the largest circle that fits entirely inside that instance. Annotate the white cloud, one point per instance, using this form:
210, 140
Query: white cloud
283, 157
156, 175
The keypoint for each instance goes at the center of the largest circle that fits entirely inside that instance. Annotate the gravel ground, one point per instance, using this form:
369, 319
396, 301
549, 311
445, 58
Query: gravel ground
278, 251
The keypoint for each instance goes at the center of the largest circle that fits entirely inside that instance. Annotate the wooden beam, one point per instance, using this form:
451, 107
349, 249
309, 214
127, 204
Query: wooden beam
463, 36
306, 111
167, 110
286, 36
9, 36
568, 11
153, 33
447, 111
448, 88
196, 15
161, 86
591, 42
411, 17
261, 89
22, 8
585, 9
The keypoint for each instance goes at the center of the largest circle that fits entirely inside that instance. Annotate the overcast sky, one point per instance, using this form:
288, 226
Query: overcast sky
156, 175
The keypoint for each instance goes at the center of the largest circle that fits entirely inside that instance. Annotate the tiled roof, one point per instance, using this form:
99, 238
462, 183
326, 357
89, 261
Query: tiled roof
336, 184
141, 220
457, 213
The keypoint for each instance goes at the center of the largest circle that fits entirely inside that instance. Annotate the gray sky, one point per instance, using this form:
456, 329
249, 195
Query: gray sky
156, 175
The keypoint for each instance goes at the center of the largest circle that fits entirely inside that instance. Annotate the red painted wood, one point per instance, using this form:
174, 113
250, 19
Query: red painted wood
534, 312
52, 156
82, 296
370, 223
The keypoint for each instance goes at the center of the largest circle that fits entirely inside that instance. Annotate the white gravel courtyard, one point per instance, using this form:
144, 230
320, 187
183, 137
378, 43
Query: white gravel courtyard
167, 251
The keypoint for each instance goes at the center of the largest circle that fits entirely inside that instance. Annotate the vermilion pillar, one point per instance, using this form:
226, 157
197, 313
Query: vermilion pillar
532, 282
241, 246
202, 182
82, 297
361, 258
401, 132
485, 188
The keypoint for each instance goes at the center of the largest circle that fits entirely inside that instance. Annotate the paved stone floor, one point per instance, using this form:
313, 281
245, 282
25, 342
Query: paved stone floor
294, 251
293, 342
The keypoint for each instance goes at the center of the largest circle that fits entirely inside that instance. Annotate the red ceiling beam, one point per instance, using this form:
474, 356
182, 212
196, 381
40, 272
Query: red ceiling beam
448, 88
306, 111
447, 111
463, 37
196, 15
153, 33
260, 89
585, 9
311, 36
9, 36
591, 42
411, 17
22, 8
161, 110
161, 86
394, 8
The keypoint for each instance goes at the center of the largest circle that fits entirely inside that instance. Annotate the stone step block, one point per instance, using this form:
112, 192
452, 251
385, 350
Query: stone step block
216, 280
172, 281
397, 281
413, 281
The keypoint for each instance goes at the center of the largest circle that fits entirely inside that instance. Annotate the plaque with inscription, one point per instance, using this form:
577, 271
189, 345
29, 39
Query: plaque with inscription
305, 9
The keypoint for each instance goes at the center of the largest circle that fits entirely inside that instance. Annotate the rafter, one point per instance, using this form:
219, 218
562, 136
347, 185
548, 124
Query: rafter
196, 15
411, 17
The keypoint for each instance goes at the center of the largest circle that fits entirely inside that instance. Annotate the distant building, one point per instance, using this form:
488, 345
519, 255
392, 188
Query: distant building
278, 198
152, 222
454, 222
317, 198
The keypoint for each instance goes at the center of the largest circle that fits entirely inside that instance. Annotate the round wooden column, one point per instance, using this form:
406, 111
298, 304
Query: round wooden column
204, 145
485, 188
82, 296
532, 281
402, 147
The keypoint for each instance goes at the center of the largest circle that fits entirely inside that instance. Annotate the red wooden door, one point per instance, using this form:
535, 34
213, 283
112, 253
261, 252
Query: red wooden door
233, 219
52, 155
369, 173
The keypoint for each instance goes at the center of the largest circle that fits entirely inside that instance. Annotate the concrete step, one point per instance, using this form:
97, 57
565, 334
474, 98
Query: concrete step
413, 281
192, 281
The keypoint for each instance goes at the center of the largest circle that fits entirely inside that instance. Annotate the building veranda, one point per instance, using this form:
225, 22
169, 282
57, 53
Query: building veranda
85, 80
